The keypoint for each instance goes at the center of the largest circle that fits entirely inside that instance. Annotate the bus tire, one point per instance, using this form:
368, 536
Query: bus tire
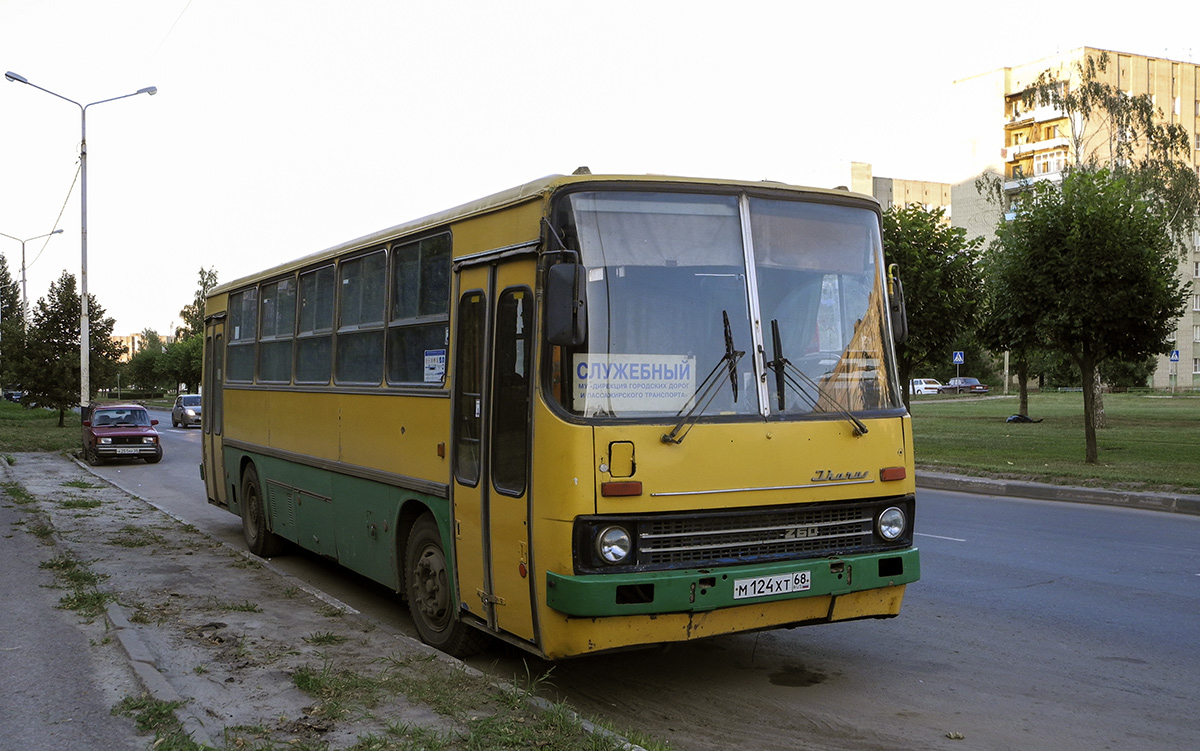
259, 540
431, 595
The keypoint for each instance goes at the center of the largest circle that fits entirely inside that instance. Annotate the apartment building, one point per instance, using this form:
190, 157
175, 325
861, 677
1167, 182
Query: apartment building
1003, 137
135, 343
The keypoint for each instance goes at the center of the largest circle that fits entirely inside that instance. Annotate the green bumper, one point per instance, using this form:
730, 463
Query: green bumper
699, 590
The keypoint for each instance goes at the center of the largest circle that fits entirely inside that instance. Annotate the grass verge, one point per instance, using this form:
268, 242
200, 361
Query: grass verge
1151, 442
36, 429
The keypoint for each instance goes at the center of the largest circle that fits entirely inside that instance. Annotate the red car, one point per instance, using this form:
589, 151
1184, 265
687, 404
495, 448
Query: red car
965, 386
120, 431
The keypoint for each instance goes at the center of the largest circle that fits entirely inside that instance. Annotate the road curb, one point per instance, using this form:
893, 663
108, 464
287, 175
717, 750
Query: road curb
1178, 503
145, 667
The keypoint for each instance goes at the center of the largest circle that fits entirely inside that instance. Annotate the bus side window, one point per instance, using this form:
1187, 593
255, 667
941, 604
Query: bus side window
468, 391
514, 351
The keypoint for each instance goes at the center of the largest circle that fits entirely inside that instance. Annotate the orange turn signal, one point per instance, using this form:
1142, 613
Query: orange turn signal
889, 474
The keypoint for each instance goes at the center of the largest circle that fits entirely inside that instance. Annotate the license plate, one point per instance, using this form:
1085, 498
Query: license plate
127, 451
765, 586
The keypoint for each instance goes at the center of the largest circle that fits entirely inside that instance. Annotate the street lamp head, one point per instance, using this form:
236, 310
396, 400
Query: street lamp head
56, 232
151, 90
16, 77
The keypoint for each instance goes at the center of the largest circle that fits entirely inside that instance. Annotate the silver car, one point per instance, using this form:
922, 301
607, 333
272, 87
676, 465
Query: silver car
186, 410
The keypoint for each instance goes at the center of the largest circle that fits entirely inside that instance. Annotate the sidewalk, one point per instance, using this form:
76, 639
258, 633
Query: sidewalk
1174, 502
219, 631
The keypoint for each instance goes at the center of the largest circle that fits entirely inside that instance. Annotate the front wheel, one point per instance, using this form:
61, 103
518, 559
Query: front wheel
430, 594
259, 540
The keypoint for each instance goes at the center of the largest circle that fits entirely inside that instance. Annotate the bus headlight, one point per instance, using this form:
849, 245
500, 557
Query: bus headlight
891, 524
613, 544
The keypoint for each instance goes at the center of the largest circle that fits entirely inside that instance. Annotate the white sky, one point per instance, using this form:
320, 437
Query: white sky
282, 127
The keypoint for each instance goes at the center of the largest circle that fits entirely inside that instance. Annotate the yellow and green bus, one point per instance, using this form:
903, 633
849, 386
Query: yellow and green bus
588, 413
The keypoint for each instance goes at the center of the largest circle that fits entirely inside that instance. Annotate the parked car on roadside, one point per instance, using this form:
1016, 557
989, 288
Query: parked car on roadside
120, 431
965, 386
925, 386
186, 410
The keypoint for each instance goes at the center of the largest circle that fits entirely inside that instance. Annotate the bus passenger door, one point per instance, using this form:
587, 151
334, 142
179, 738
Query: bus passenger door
212, 416
492, 387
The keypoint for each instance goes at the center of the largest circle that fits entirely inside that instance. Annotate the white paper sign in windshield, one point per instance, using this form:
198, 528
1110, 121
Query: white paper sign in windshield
633, 383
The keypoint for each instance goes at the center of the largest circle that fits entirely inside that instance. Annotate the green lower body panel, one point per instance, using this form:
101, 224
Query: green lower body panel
356, 521
699, 590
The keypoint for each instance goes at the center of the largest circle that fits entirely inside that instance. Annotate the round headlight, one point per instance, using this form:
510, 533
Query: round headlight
891, 524
613, 544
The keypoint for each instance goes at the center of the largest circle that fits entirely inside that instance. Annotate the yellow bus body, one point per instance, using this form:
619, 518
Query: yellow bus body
347, 470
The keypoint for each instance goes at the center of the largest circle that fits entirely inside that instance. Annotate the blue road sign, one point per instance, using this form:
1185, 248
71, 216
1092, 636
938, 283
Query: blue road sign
1174, 355
958, 358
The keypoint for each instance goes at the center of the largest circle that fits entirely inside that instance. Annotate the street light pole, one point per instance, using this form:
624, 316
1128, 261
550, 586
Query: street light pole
84, 324
24, 288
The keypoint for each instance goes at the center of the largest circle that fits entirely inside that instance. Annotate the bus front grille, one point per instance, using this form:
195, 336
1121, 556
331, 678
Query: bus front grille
732, 537
754, 536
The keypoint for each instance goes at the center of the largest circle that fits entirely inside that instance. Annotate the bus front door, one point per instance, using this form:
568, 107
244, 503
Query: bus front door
212, 415
493, 365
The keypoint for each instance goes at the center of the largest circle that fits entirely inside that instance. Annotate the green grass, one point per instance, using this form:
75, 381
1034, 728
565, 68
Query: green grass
83, 596
36, 429
1151, 443
494, 716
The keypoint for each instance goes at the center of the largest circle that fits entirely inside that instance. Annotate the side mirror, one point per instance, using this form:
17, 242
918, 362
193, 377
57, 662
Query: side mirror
153, 423
896, 307
566, 304
87, 423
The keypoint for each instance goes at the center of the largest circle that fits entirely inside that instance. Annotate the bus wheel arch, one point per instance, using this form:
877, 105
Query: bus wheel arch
259, 539
429, 589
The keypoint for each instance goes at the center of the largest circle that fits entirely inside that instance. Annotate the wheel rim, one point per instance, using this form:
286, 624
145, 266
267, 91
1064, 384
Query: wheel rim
252, 514
430, 591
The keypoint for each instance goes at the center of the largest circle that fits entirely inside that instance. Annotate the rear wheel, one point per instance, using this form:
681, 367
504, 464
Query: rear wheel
259, 540
431, 596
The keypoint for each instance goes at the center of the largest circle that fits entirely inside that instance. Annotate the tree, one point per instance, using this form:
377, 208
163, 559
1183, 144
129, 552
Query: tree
183, 361
1129, 135
145, 367
941, 284
192, 314
12, 325
49, 365
1009, 327
1132, 139
1088, 268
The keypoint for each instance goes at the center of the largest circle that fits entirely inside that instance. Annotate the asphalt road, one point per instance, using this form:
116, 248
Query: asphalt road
1036, 625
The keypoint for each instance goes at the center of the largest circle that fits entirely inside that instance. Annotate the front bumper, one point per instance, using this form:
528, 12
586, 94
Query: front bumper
700, 590
125, 452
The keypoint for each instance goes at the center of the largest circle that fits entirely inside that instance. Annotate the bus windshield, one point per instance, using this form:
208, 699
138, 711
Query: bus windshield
798, 282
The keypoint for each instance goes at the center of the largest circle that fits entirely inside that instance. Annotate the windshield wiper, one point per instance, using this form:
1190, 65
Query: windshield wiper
703, 396
786, 372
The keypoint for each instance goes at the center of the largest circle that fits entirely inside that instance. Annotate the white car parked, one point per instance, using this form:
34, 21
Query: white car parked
924, 386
